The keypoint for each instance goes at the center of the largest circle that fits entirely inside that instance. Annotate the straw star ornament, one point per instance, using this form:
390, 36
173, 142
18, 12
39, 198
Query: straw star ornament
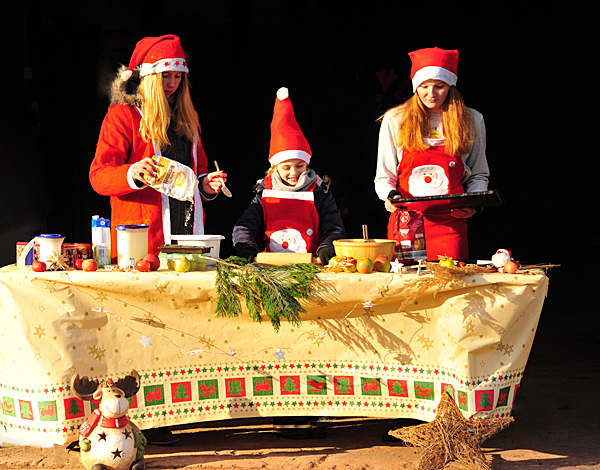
57, 262
450, 437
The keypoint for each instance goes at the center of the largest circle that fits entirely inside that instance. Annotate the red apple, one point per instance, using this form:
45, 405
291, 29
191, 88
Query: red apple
89, 265
382, 264
364, 265
461, 264
77, 264
142, 265
511, 267
154, 261
38, 266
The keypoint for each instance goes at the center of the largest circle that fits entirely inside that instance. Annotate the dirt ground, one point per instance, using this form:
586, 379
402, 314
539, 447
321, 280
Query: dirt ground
556, 421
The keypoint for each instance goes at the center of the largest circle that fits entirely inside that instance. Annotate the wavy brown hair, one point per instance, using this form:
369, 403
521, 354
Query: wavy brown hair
459, 127
157, 112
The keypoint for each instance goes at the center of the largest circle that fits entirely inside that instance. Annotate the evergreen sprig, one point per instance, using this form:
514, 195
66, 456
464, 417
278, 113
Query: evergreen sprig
274, 290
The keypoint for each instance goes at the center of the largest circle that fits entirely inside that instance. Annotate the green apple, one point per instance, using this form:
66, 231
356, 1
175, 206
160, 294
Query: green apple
364, 265
447, 262
182, 264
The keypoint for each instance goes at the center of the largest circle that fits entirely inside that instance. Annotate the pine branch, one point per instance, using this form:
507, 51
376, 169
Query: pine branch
274, 290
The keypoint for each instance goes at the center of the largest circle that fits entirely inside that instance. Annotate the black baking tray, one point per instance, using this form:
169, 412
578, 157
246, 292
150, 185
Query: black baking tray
491, 198
185, 249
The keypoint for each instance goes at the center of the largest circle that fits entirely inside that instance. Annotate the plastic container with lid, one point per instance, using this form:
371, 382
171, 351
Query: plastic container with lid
214, 241
132, 243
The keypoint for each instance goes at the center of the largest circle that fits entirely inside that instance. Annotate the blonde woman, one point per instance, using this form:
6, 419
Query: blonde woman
151, 113
431, 145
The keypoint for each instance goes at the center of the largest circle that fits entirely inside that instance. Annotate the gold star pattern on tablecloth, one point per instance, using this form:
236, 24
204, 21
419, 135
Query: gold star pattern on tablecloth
451, 437
39, 331
383, 291
100, 353
50, 285
208, 342
97, 352
426, 342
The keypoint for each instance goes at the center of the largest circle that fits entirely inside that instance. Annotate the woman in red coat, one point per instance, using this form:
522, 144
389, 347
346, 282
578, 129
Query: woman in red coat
151, 113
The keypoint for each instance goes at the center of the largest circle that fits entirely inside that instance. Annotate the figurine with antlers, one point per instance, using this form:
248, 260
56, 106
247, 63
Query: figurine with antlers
108, 439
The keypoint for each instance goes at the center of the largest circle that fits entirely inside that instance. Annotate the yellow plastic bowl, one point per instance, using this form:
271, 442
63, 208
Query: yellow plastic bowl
357, 248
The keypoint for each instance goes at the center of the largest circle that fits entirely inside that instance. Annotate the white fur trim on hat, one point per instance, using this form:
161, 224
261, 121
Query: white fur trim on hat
164, 65
285, 155
433, 73
283, 93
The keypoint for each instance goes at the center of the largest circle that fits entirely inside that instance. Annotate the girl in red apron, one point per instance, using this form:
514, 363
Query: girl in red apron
293, 210
428, 146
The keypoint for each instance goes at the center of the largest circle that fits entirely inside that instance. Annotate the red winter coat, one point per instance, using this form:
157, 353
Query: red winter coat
119, 147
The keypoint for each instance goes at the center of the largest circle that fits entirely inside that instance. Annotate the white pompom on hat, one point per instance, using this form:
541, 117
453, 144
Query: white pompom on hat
157, 55
433, 64
287, 140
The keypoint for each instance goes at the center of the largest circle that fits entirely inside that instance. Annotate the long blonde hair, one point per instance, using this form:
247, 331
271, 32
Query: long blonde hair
157, 112
459, 127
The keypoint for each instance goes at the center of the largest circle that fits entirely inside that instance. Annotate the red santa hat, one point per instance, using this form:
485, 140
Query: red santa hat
157, 55
287, 140
433, 64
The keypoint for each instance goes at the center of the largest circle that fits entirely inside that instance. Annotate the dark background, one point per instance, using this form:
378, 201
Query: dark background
524, 69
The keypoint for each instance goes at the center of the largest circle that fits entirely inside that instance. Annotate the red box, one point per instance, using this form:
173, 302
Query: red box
71, 250
76, 251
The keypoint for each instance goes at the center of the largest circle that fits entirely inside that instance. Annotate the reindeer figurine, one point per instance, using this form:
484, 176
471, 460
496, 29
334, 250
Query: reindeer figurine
108, 439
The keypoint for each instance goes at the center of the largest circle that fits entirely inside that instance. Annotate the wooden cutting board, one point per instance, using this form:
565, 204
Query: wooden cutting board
279, 259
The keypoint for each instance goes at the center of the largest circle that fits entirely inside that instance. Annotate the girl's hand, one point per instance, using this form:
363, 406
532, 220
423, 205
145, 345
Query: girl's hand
213, 182
145, 167
390, 207
463, 213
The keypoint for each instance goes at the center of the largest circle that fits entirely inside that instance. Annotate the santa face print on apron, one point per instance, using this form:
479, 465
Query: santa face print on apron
291, 220
433, 172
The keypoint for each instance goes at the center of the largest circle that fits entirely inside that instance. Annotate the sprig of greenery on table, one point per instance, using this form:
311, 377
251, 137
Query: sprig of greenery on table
274, 290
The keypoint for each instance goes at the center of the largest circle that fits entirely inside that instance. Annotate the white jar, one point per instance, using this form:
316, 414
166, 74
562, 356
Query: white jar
132, 243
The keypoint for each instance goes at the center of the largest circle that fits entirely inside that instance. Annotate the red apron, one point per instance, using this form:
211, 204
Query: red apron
433, 172
291, 220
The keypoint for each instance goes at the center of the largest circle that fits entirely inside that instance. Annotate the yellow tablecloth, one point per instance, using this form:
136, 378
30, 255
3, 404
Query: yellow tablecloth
356, 353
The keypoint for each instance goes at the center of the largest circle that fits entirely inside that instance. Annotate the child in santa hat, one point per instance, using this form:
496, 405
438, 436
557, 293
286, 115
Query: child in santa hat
151, 113
430, 145
293, 209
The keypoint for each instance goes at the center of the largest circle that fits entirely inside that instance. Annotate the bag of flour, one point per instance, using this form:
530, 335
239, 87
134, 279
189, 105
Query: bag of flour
173, 179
